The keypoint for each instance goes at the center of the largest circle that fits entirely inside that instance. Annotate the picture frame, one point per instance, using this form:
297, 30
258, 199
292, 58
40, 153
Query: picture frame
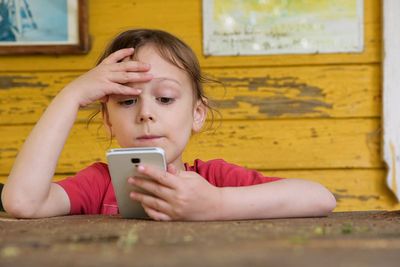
248, 28
44, 27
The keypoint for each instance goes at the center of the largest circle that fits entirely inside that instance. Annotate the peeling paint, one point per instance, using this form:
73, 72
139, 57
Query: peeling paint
278, 106
314, 133
308, 100
256, 83
340, 197
10, 82
342, 190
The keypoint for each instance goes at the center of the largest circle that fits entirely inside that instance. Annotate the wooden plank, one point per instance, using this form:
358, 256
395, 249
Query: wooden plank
367, 239
290, 92
256, 93
292, 144
391, 94
274, 144
354, 189
184, 19
24, 96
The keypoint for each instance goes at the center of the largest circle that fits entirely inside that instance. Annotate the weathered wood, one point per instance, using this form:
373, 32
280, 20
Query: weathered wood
324, 91
354, 189
184, 18
325, 109
342, 239
24, 96
292, 144
273, 144
340, 91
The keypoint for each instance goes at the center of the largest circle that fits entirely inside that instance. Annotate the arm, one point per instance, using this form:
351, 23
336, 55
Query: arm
279, 199
187, 196
29, 192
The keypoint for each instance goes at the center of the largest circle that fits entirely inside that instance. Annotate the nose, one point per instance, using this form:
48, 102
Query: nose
145, 113
145, 117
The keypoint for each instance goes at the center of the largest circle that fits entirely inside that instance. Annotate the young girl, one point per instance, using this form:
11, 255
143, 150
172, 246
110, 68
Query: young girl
150, 86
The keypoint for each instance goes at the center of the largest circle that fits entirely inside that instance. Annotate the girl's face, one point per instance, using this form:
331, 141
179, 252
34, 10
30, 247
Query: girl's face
163, 115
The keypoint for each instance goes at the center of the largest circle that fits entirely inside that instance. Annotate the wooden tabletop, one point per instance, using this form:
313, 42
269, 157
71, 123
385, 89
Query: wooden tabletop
342, 239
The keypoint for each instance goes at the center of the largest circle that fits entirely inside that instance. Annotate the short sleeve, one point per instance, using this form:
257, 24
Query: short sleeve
223, 174
86, 190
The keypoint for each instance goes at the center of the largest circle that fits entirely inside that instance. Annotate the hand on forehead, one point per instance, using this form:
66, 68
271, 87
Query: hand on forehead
161, 68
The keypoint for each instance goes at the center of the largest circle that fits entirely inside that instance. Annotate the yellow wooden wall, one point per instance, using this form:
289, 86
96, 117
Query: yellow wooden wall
316, 117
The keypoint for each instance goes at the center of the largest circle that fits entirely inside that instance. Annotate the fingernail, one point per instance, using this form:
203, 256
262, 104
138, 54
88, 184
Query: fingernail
141, 168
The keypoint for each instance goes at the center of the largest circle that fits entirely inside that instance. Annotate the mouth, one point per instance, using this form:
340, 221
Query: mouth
144, 138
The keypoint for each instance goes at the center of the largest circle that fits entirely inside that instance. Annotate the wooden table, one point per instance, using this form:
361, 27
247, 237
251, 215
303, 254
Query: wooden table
342, 239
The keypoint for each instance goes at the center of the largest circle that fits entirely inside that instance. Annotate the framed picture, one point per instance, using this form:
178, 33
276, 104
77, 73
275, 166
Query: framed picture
263, 27
43, 27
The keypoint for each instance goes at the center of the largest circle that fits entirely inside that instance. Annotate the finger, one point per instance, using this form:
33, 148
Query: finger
160, 176
172, 169
129, 77
130, 66
150, 201
152, 187
118, 55
104, 99
156, 215
120, 89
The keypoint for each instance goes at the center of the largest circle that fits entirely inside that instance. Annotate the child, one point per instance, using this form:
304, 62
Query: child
150, 86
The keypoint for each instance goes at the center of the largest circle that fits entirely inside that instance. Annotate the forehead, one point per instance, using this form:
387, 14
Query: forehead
160, 67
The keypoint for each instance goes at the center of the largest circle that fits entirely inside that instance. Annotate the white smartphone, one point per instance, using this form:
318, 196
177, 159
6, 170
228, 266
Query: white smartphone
122, 164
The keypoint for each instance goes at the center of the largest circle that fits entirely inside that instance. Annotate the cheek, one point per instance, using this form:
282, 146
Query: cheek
120, 115
120, 123
180, 118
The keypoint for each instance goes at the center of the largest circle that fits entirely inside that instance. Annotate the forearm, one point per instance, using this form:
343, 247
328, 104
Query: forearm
280, 199
28, 191
30, 178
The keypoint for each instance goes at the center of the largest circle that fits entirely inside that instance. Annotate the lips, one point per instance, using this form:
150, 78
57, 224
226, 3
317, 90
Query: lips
149, 137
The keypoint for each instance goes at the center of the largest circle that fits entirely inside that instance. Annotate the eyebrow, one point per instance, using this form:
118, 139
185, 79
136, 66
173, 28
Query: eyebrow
161, 79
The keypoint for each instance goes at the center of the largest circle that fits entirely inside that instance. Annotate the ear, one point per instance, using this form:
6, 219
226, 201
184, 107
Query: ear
106, 119
199, 116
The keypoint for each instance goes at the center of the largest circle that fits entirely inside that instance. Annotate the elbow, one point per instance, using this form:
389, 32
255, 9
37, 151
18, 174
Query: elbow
327, 202
18, 210
17, 207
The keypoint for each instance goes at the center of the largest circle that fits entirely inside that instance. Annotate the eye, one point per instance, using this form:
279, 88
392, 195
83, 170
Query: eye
128, 102
165, 100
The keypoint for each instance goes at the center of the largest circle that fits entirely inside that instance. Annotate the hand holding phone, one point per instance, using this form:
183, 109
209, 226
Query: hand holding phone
122, 164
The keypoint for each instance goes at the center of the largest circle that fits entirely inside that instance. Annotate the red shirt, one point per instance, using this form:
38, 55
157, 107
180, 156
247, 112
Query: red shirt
91, 192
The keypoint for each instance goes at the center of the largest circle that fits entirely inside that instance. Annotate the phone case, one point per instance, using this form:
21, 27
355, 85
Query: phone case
122, 164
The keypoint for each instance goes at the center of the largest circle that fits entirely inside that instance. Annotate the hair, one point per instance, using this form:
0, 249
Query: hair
171, 49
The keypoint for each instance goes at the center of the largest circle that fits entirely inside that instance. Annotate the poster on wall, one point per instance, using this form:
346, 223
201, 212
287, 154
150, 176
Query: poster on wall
262, 27
43, 26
